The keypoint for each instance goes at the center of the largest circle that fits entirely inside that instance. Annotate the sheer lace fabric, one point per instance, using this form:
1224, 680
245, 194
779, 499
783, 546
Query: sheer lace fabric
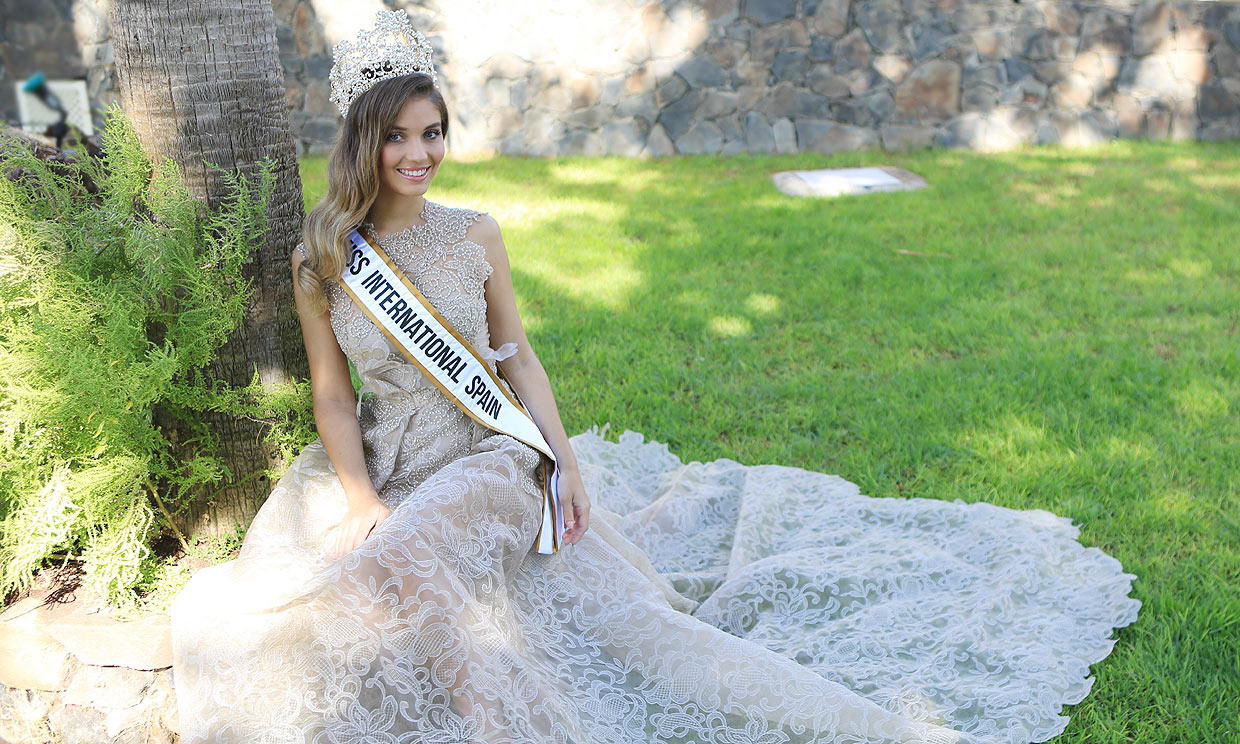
708, 603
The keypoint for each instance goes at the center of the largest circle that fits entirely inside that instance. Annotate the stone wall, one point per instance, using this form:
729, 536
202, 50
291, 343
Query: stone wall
70, 674
737, 76
635, 77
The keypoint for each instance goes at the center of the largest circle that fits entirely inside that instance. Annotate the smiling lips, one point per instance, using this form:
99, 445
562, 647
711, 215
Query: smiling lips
414, 174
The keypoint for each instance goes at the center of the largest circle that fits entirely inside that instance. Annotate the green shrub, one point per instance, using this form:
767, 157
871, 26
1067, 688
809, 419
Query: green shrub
111, 307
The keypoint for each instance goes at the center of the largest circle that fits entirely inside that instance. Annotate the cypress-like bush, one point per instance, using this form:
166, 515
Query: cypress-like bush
112, 305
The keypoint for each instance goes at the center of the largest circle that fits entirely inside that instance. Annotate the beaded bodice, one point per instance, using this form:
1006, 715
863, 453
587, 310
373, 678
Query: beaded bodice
447, 269
409, 429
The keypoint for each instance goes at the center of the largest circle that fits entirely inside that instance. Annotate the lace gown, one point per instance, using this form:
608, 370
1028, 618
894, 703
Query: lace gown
707, 603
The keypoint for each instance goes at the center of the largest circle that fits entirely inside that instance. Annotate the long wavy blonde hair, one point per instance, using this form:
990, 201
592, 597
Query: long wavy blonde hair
353, 179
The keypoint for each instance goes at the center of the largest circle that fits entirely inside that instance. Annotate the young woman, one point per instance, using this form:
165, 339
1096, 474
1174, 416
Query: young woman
390, 589
405, 120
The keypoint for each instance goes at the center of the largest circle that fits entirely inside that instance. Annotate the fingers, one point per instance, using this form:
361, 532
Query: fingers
566, 508
381, 516
583, 514
570, 524
583, 523
576, 517
353, 530
361, 528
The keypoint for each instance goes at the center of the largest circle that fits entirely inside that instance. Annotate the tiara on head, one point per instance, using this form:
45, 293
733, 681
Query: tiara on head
393, 47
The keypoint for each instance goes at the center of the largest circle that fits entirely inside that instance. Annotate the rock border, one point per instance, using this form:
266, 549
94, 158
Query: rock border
70, 674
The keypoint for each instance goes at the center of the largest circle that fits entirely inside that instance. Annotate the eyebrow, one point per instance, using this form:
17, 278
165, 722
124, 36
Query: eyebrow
436, 125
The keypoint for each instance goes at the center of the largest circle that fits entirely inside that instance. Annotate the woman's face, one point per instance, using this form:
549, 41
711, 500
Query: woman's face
412, 150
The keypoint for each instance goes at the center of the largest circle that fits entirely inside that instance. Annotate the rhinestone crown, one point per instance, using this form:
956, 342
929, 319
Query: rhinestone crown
393, 47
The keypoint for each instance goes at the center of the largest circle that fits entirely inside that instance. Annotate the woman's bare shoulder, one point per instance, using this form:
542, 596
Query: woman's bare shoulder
485, 231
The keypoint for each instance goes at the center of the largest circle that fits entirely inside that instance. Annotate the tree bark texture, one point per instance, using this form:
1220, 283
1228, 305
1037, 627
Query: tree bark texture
202, 82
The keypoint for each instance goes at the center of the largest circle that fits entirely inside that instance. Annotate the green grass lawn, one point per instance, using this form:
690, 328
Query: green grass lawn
1064, 338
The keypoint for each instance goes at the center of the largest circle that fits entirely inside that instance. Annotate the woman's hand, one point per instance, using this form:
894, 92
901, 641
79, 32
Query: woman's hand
362, 518
574, 505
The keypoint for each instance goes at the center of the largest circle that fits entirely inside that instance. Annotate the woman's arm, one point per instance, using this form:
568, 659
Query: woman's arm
528, 378
335, 416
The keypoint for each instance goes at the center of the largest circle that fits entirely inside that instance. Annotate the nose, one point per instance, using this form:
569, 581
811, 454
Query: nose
415, 151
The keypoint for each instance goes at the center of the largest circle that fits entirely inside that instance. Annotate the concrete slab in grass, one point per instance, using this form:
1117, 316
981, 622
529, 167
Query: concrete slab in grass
842, 181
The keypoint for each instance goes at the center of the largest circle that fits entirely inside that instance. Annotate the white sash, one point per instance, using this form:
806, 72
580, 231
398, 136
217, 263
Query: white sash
410, 321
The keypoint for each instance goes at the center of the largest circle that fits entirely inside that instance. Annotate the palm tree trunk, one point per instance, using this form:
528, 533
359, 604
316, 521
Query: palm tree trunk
202, 82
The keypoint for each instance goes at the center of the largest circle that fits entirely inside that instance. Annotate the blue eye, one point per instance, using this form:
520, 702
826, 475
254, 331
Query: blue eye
432, 134
394, 137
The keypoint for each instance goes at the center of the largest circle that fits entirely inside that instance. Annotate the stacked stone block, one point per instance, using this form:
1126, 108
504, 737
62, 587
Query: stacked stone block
830, 75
